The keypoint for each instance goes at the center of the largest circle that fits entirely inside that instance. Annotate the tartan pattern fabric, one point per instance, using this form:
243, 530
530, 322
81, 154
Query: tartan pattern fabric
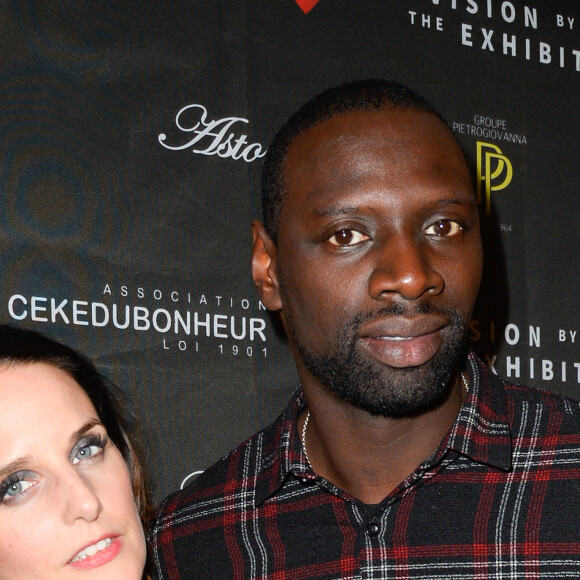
499, 499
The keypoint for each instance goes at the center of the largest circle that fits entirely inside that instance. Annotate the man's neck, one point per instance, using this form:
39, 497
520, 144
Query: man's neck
369, 456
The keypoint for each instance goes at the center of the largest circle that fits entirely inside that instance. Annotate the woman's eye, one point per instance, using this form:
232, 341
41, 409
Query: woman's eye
88, 448
444, 229
16, 486
86, 453
347, 237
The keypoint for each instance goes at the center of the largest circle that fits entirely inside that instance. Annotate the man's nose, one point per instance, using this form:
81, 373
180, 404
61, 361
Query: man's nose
404, 265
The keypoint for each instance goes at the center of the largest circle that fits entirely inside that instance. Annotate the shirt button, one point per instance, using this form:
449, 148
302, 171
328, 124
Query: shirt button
308, 480
373, 529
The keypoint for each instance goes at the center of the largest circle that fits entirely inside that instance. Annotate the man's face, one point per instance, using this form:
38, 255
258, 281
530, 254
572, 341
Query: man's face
378, 260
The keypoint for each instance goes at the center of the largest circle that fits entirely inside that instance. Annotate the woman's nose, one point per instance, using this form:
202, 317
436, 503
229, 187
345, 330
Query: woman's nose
81, 499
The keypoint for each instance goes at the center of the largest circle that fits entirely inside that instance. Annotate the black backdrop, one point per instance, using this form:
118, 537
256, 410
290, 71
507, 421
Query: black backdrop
131, 136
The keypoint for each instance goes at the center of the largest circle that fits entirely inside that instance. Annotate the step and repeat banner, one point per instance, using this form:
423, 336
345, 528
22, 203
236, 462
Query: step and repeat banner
131, 140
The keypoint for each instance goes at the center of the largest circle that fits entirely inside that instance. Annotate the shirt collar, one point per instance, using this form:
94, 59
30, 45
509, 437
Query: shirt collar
481, 432
283, 455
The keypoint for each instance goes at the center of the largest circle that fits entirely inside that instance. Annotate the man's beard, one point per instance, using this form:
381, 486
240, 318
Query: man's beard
378, 388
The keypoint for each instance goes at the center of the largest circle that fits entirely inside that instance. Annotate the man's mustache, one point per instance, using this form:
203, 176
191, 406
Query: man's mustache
405, 310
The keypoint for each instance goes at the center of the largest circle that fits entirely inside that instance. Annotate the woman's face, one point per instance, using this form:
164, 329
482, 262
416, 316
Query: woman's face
66, 503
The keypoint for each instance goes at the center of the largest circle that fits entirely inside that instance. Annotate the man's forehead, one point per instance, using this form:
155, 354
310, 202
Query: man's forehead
365, 122
347, 133
350, 140
372, 153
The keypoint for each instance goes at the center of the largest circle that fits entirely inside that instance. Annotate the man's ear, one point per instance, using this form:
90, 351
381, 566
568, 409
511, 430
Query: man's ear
264, 267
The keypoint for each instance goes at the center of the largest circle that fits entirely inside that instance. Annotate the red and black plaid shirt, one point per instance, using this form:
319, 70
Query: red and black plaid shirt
499, 499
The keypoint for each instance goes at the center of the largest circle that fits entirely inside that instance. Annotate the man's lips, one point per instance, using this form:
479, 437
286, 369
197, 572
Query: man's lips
403, 342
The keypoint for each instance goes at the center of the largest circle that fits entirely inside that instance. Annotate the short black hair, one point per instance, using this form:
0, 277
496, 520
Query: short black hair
366, 95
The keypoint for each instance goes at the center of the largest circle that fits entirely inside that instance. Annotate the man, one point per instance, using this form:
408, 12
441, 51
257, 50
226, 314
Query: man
401, 455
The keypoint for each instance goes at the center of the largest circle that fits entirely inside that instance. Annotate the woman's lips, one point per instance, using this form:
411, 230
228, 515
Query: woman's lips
97, 554
406, 348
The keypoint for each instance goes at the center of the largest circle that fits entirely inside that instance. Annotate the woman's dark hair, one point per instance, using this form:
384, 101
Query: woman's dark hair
19, 346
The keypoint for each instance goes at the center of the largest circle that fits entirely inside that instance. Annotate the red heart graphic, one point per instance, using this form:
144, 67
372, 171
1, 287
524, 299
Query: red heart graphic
307, 5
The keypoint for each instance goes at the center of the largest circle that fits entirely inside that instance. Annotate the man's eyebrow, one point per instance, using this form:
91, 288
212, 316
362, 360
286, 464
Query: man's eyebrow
471, 202
336, 209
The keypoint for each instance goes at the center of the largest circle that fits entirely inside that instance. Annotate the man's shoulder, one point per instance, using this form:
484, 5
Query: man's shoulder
206, 493
562, 412
523, 393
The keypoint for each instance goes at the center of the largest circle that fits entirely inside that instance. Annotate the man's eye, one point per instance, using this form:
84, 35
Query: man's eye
444, 229
347, 237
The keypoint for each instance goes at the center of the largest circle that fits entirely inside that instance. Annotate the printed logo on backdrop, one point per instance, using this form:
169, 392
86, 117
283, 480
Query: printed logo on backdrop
182, 320
505, 28
494, 172
536, 366
190, 478
206, 136
494, 169
306, 5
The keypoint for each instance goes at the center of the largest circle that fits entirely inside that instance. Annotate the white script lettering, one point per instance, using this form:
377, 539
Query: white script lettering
213, 137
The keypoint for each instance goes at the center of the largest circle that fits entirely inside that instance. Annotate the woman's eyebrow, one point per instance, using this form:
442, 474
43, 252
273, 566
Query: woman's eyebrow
83, 430
22, 462
13, 466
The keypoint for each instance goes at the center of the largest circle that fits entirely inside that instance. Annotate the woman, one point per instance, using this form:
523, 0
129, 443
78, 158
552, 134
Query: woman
72, 497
